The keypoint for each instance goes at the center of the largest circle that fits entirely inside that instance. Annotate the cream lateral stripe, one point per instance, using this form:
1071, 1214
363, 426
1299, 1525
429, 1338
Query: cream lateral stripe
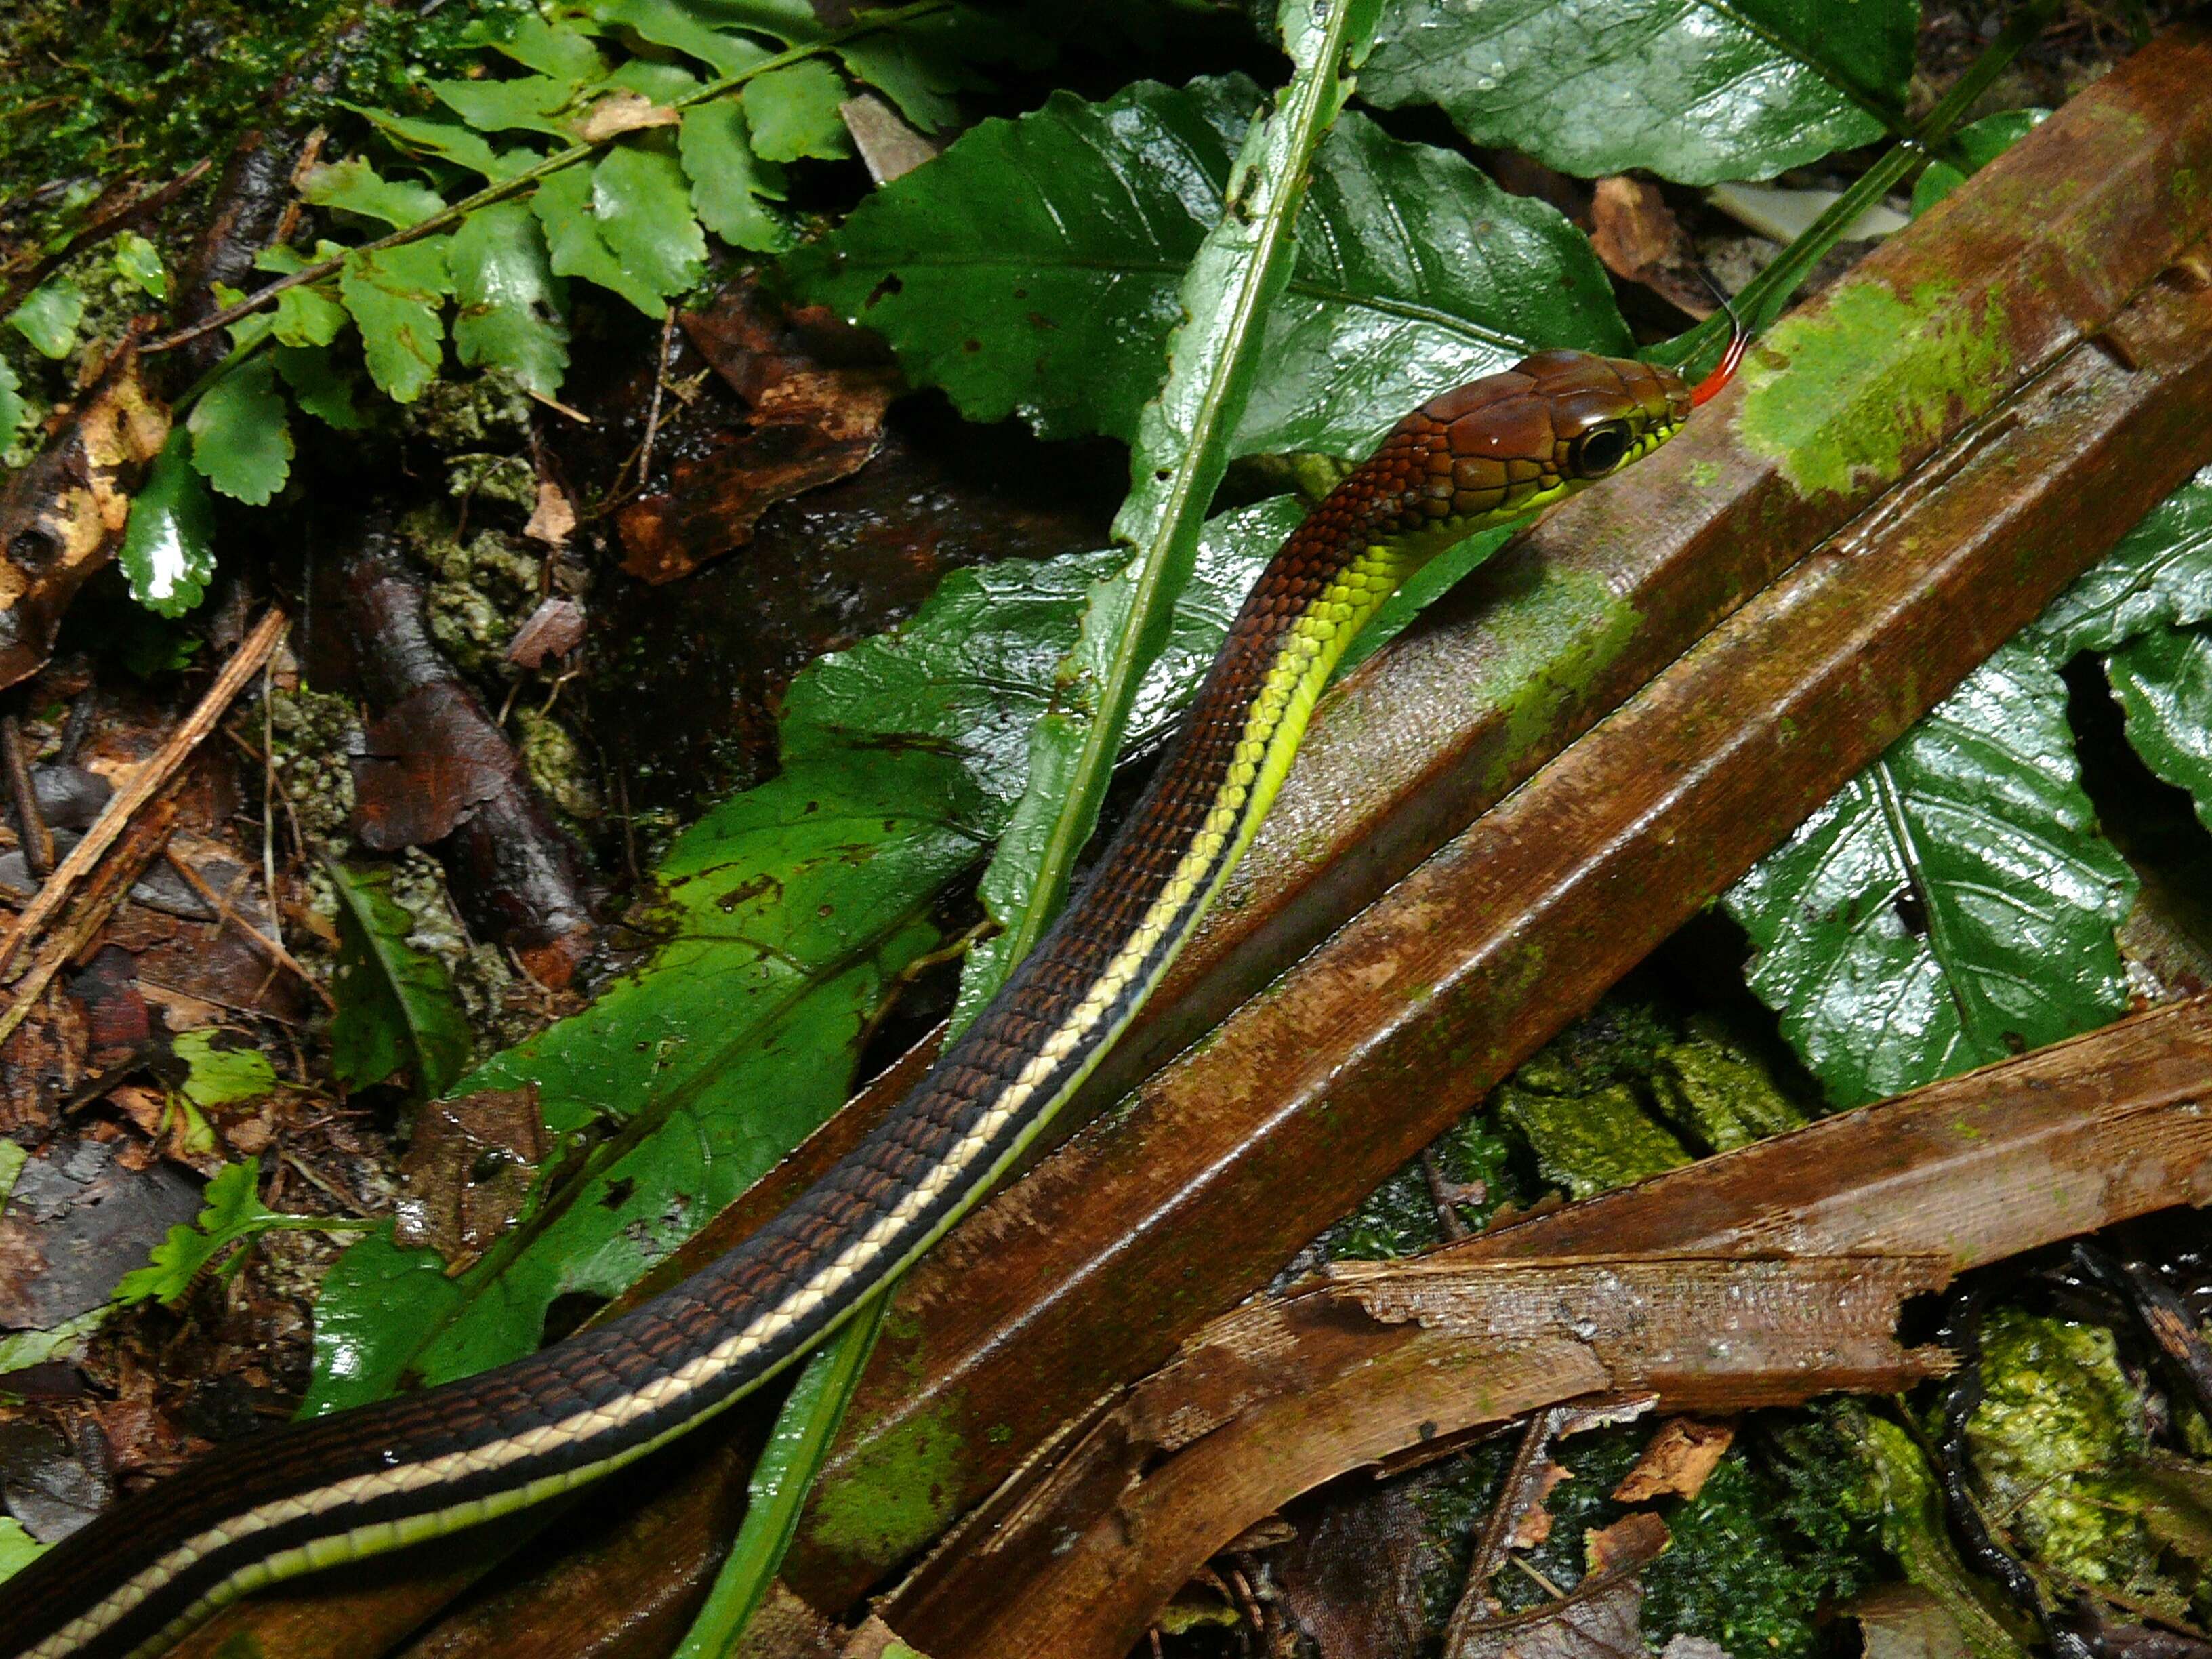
1309, 649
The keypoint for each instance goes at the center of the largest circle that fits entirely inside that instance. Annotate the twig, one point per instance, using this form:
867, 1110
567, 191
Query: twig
269, 800
260, 941
523, 180
38, 840
148, 836
144, 782
653, 410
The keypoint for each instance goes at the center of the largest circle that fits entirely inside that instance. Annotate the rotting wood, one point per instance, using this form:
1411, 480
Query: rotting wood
1966, 1171
145, 782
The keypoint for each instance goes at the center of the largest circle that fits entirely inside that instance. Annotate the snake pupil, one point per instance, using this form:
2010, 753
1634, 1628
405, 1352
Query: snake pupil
1601, 451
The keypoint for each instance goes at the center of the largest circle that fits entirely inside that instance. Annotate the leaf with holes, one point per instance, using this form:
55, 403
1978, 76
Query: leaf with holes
397, 297
1033, 269
2160, 573
169, 544
241, 441
509, 309
397, 1009
1692, 91
791, 907
1953, 905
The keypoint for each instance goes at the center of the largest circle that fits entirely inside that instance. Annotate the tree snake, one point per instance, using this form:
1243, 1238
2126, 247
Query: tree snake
317, 1493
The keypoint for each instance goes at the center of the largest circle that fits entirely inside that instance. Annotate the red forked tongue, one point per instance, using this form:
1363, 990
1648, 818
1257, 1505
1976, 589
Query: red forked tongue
1724, 371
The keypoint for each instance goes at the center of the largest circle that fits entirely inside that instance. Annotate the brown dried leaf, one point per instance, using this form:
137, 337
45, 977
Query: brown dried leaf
1903, 1621
1352, 1577
816, 391
1678, 1460
1602, 1618
1635, 234
554, 630
468, 1169
552, 517
1533, 1524
1633, 1541
619, 112
432, 759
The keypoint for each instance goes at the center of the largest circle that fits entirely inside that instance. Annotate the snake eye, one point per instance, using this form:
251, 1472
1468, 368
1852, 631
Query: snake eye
1599, 450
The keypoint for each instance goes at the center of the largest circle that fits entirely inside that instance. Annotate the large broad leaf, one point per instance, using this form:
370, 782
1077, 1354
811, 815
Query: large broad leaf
1694, 90
2163, 678
2159, 574
1953, 905
790, 907
1034, 268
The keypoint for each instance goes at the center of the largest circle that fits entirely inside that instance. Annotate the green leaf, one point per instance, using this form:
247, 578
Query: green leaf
558, 49
457, 144
13, 411
1976, 144
309, 315
789, 908
396, 1004
511, 310
230, 1210
641, 204
665, 23
728, 180
18, 1549
792, 112
1033, 269
48, 318
21, 1350
354, 187
2159, 573
321, 386
1691, 91
531, 104
395, 297
1951, 906
138, 261
169, 544
2163, 678
563, 205
241, 441
219, 1075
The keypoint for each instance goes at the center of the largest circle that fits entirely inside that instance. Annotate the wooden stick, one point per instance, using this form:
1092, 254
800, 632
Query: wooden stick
144, 783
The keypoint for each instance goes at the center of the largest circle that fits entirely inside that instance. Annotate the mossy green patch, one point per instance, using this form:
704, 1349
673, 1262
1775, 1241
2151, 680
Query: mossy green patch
1840, 396
897, 1495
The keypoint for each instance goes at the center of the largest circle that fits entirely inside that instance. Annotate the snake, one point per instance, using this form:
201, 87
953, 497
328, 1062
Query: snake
314, 1494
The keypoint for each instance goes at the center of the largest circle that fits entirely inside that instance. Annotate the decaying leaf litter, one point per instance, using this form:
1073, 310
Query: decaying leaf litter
192, 1037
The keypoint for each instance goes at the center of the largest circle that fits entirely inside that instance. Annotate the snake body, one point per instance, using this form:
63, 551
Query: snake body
372, 1479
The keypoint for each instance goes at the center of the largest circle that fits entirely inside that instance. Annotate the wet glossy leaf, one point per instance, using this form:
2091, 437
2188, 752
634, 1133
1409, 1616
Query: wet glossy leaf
169, 544
48, 317
728, 180
789, 907
396, 297
2159, 573
1691, 91
792, 112
1951, 906
397, 1009
1033, 269
354, 187
2163, 678
558, 49
641, 204
321, 386
1975, 145
443, 139
241, 441
509, 311
138, 263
